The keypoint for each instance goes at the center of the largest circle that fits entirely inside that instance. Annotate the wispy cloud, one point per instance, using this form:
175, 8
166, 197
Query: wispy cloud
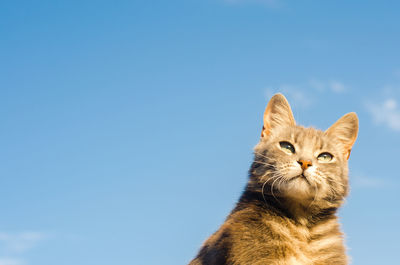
386, 113
12, 261
305, 94
268, 3
337, 86
331, 85
366, 182
14, 245
21, 242
294, 94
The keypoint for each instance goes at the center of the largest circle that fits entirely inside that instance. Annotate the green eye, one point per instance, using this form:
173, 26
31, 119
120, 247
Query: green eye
325, 157
287, 147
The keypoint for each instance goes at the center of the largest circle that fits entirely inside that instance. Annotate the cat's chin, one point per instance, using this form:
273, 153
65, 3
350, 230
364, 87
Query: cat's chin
299, 188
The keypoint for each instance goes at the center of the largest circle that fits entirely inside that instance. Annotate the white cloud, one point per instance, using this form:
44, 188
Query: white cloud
386, 113
11, 261
317, 85
13, 245
337, 86
294, 94
332, 85
366, 182
21, 242
304, 95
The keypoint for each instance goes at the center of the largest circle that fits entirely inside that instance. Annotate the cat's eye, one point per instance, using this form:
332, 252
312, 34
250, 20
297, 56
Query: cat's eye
325, 157
287, 147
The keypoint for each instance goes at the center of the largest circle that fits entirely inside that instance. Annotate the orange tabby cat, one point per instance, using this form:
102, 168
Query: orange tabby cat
287, 213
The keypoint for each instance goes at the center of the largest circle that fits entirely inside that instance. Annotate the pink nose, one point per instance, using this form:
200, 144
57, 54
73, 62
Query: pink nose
304, 163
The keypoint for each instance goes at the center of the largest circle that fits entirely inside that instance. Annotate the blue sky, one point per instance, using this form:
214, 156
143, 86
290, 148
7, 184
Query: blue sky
127, 127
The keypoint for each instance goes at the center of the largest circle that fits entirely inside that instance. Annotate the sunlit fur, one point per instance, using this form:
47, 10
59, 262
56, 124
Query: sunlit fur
279, 174
287, 215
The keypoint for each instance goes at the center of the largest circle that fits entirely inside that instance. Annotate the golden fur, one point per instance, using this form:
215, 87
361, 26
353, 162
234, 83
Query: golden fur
287, 213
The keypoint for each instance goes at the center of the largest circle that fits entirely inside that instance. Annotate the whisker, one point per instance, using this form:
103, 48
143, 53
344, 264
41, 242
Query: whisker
275, 176
272, 187
270, 174
258, 153
315, 196
264, 163
280, 183
336, 182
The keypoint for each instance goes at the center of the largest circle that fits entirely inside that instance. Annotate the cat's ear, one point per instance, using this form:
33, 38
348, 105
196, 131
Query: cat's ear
345, 130
277, 114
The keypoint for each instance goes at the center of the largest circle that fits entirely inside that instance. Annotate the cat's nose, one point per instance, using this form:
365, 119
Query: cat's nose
304, 163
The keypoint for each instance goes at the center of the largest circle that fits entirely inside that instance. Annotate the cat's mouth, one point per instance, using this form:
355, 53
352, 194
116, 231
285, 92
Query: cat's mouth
303, 177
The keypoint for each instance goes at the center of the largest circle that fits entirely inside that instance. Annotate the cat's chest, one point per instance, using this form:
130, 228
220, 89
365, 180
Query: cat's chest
317, 245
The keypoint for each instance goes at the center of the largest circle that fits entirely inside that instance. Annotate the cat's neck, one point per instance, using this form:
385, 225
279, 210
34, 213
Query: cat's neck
286, 208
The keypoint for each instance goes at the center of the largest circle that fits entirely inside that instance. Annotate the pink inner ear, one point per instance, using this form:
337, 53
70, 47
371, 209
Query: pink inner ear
264, 132
348, 154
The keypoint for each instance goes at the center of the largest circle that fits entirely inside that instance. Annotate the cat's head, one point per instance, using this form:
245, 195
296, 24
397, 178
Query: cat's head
304, 164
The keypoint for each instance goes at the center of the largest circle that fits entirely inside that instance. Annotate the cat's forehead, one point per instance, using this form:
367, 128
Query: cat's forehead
304, 136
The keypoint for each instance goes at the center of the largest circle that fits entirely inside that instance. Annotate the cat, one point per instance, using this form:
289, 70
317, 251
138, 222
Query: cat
287, 212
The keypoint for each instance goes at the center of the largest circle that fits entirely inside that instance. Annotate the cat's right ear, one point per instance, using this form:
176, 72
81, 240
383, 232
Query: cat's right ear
345, 130
277, 114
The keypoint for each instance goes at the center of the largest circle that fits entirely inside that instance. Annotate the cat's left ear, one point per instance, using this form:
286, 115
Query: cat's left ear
345, 130
277, 115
